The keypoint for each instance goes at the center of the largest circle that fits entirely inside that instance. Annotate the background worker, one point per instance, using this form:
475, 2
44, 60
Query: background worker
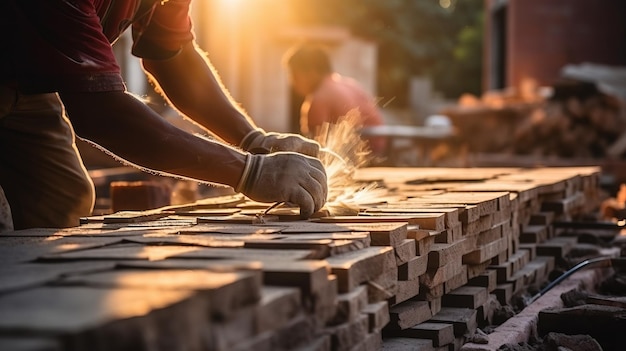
58, 75
327, 94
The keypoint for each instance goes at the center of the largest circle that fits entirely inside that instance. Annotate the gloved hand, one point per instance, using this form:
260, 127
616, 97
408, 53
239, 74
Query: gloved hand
285, 177
259, 141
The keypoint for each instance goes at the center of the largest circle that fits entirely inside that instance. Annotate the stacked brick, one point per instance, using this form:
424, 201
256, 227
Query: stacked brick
490, 259
421, 266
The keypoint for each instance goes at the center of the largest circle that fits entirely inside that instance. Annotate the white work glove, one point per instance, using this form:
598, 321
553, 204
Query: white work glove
259, 141
285, 177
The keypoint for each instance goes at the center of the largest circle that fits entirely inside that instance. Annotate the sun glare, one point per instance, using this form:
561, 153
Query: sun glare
232, 5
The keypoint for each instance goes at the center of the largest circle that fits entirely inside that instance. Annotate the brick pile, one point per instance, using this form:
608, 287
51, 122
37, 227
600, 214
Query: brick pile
421, 266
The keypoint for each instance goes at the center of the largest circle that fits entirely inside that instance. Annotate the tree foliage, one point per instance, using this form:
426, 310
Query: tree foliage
415, 37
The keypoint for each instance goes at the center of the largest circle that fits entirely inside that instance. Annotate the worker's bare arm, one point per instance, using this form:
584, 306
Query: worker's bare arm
129, 129
190, 83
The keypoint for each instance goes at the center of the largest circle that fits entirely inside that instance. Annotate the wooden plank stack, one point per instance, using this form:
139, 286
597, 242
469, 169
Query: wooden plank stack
422, 266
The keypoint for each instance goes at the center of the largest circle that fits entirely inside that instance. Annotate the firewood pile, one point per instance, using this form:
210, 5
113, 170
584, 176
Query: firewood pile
423, 266
578, 121
575, 121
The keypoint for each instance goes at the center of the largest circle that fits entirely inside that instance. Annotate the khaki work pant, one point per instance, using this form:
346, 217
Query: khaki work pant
41, 172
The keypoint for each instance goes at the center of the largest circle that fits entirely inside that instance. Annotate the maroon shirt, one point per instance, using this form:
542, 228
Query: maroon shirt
65, 45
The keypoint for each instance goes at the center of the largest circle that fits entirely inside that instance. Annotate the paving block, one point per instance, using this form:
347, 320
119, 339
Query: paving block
354, 268
350, 305
405, 251
465, 297
412, 269
226, 291
378, 314
440, 333
408, 314
83, 317
463, 319
403, 344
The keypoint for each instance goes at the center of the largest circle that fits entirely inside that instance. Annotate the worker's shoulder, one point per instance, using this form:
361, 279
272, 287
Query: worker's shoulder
336, 88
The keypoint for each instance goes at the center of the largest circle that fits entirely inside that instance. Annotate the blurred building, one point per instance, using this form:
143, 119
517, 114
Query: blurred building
534, 39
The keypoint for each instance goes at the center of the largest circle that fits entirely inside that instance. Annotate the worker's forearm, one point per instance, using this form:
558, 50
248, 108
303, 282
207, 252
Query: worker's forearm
126, 127
191, 85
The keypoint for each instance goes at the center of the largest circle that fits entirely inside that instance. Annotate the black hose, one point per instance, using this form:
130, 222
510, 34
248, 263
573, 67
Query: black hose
604, 261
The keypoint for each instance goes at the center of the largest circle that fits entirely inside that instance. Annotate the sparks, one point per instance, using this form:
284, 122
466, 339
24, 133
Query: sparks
347, 152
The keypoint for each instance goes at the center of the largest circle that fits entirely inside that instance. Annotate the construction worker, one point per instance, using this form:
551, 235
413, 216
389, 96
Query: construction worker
58, 76
329, 95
